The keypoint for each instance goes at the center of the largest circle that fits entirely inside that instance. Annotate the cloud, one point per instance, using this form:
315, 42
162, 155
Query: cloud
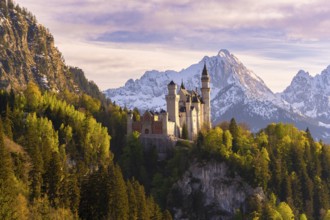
110, 66
298, 20
125, 38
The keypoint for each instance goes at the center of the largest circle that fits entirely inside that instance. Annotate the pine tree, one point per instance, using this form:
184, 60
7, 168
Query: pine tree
261, 167
132, 202
7, 123
184, 134
234, 130
118, 207
154, 210
7, 188
143, 212
33, 96
167, 215
73, 193
53, 179
285, 211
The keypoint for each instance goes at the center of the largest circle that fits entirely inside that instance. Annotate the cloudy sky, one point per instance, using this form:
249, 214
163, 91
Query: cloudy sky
114, 40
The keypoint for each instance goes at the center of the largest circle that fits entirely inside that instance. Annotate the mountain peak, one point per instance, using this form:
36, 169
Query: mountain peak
303, 74
326, 71
224, 53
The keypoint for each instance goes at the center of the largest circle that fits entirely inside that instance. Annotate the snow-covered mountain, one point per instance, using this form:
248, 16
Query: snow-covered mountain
235, 92
310, 95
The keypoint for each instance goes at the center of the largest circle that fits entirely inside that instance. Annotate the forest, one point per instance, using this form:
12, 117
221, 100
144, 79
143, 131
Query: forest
57, 163
290, 167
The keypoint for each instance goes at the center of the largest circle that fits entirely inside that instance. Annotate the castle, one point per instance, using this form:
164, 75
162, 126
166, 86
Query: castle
186, 110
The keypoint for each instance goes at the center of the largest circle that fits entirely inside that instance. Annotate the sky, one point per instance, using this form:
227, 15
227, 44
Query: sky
115, 40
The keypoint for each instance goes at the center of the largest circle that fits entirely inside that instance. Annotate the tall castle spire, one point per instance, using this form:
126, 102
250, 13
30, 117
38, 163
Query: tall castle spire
172, 102
206, 96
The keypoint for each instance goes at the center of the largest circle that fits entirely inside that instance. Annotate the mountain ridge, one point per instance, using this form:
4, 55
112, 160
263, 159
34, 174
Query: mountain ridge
310, 95
236, 92
28, 53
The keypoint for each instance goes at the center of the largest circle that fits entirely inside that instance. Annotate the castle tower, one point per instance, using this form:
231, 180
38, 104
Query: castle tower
172, 101
164, 115
206, 96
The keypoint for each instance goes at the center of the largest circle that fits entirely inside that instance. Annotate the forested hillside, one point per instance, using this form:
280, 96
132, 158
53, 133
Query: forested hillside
56, 162
290, 167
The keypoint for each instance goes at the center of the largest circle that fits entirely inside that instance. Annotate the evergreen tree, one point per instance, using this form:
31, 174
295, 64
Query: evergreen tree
143, 212
132, 202
285, 211
132, 160
53, 179
234, 130
33, 96
73, 193
184, 134
261, 166
7, 123
154, 210
116, 188
7, 185
167, 215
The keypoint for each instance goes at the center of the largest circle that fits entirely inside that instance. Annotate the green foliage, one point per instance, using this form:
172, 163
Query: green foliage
136, 115
285, 211
60, 146
184, 134
302, 217
132, 202
7, 182
118, 207
281, 159
88, 87
115, 119
33, 96
327, 215
90, 104
132, 160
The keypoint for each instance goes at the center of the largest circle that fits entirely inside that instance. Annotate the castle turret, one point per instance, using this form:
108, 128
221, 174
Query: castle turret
206, 96
164, 115
172, 100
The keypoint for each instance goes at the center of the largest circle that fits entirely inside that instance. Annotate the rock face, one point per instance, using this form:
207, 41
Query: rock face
27, 53
235, 92
310, 95
210, 191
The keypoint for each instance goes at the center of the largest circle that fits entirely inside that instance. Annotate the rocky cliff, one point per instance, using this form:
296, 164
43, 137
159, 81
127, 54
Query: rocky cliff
209, 190
310, 95
28, 53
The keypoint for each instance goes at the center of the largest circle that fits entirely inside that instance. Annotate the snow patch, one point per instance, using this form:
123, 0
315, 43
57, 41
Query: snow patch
324, 125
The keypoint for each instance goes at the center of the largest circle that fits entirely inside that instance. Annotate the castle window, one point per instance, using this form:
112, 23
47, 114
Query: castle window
146, 131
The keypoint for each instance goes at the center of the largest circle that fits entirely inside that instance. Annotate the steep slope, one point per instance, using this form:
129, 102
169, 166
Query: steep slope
310, 95
27, 53
235, 92
218, 193
225, 70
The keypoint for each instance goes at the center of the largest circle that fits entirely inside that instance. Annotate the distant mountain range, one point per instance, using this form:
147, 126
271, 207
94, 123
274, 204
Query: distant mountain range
237, 92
